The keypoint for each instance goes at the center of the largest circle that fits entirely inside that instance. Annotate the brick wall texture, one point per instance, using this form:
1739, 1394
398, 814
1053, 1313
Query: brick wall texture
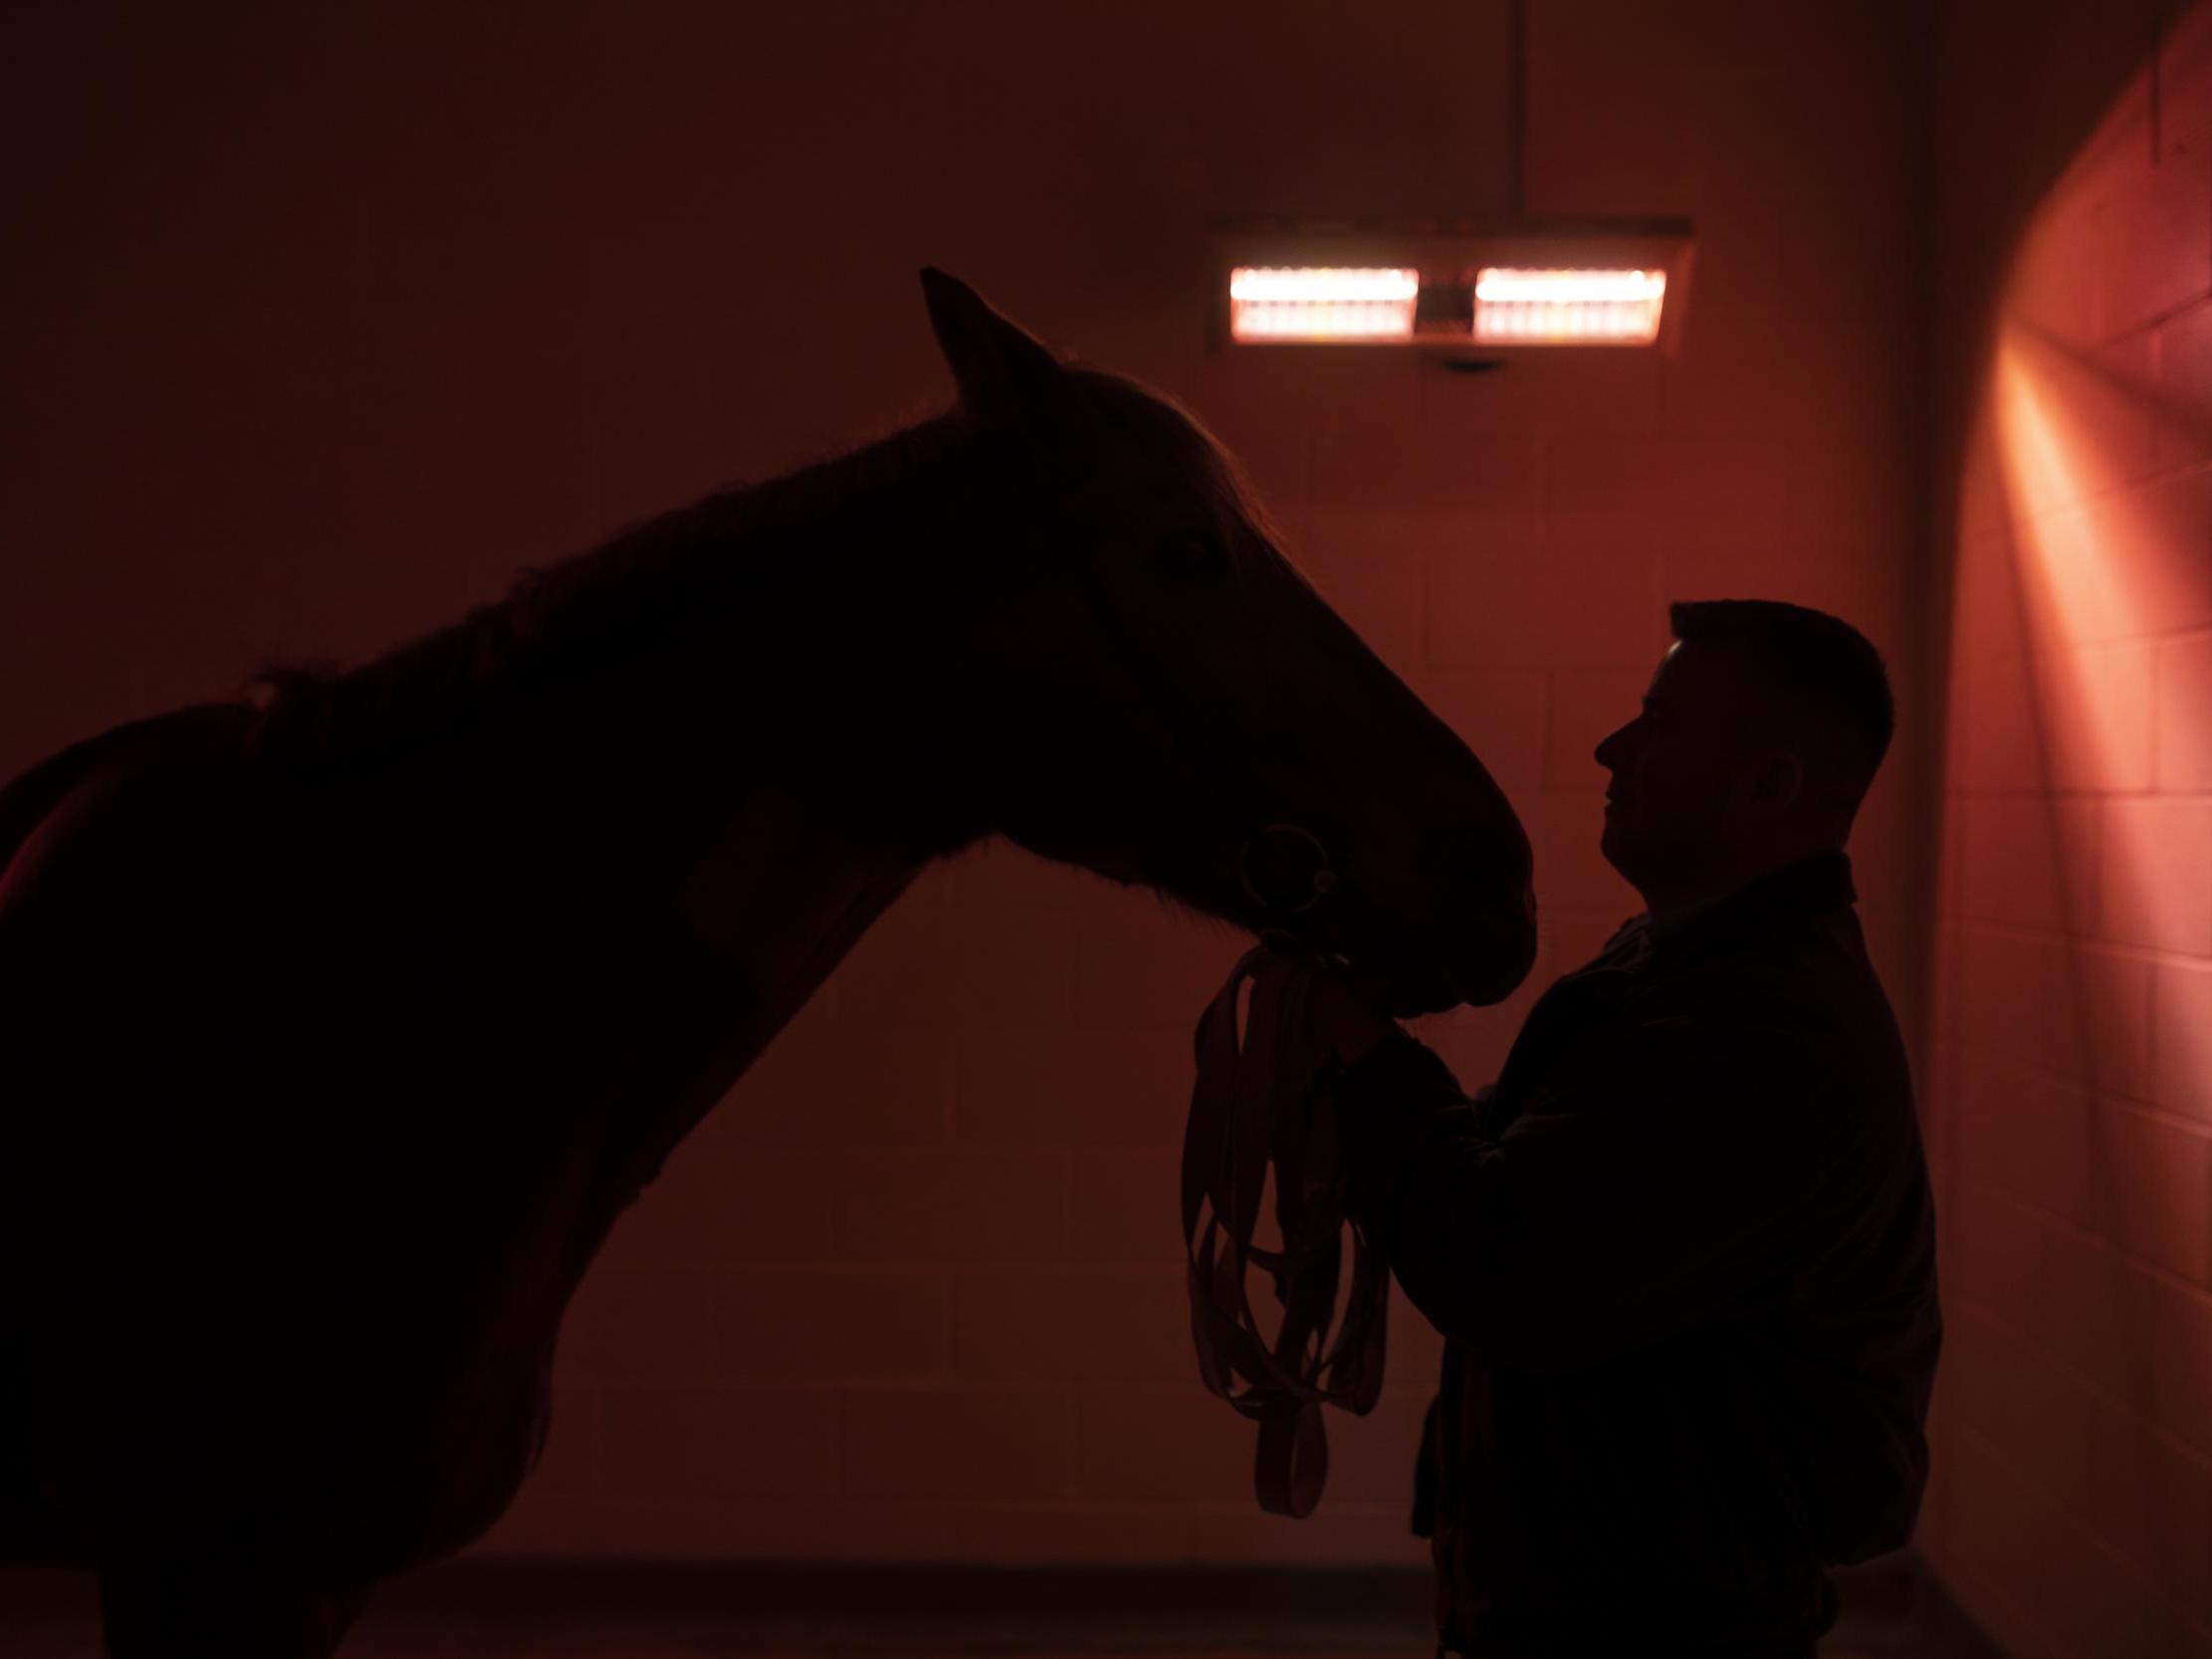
2070, 1114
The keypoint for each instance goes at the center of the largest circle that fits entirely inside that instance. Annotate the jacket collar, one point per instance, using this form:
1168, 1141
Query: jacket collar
1775, 899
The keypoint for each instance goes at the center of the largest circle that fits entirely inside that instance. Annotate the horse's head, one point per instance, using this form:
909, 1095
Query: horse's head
1159, 684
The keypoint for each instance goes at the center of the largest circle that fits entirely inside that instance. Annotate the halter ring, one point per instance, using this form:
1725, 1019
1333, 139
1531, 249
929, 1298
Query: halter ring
1322, 877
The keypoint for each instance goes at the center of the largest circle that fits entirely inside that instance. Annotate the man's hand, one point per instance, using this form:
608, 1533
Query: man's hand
1337, 1010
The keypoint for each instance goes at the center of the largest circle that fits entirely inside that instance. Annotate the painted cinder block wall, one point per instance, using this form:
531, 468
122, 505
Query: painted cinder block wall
322, 322
2071, 1114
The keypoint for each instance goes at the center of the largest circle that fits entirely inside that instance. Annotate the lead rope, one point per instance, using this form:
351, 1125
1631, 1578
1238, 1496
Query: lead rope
1257, 1099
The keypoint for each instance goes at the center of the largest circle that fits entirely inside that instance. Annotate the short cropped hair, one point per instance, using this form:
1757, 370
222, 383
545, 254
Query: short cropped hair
1831, 691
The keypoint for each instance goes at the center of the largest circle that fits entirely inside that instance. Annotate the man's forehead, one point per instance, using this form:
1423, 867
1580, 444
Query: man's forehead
1690, 671
1704, 686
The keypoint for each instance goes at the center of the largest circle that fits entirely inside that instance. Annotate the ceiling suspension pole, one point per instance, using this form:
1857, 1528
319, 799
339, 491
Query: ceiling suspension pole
1516, 108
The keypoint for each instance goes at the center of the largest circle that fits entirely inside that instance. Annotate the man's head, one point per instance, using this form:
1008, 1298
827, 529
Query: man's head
1759, 736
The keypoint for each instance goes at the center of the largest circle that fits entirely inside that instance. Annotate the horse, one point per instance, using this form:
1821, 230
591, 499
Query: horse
341, 1020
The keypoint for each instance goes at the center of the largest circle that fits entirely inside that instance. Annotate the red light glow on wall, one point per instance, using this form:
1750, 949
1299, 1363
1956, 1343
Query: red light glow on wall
1568, 308
2071, 1068
2103, 569
1322, 302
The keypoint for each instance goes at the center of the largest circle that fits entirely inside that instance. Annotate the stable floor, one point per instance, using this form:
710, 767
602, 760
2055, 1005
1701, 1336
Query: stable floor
505, 1611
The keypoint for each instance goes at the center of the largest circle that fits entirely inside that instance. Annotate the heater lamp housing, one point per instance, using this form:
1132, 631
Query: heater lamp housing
1459, 286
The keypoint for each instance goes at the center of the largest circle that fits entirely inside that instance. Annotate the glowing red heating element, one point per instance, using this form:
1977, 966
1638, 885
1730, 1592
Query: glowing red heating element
1267, 303
1568, 308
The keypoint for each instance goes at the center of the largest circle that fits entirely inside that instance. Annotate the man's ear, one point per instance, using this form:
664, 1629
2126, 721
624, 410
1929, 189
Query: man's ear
1004, 374
1777, 781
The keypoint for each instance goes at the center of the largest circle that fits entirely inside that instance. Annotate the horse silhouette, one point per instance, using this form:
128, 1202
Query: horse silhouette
340, 1024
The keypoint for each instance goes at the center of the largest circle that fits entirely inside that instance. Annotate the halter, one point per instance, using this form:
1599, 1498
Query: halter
1258, 1101
1319, 879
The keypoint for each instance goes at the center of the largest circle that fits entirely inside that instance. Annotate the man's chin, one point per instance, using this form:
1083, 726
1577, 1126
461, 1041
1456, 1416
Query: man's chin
1621, 855
1608, 845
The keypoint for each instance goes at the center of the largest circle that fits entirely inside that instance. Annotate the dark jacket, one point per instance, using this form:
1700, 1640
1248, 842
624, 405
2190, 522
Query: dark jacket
1683, 1259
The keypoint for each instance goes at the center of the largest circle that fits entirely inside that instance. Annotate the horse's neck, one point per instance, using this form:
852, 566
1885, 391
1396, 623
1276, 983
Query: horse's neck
761, 793
770, 903
780, 893
759, 674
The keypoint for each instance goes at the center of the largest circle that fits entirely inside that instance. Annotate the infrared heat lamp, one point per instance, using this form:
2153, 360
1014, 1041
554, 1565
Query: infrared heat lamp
1322, 302
1568, 308
1505, 289
1484, 291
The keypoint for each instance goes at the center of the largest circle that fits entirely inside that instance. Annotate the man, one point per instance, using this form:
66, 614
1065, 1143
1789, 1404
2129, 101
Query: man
1682, 1252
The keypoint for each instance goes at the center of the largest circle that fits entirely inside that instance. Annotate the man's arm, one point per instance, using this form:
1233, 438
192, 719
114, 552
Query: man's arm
1668, 1189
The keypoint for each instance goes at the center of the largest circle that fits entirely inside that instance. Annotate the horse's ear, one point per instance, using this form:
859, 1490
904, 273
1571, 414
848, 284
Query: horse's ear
997, 368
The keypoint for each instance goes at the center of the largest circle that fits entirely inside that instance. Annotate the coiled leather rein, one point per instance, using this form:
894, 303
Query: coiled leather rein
1262, 1099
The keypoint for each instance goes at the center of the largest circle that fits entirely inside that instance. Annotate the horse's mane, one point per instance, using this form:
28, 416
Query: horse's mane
652, 585
655, 583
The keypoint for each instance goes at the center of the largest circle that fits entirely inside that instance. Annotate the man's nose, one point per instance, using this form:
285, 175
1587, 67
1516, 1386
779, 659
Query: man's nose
1608, 748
